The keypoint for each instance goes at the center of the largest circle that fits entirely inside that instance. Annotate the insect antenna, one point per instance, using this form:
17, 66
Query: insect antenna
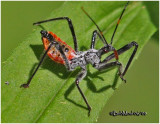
118, 22
96, 25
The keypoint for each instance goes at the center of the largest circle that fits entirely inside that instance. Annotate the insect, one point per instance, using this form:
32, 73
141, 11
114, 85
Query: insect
61, 52
7, 83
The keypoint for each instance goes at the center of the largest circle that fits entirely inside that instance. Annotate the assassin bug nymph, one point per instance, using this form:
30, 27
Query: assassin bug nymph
62, 53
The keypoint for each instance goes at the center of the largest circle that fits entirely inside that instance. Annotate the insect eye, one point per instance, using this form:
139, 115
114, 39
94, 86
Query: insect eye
66, 49
105, 50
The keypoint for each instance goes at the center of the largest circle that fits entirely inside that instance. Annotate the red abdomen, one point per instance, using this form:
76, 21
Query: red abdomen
54, 54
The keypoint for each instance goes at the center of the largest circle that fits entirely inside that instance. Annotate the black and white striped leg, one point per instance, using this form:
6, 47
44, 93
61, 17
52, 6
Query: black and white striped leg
105, 65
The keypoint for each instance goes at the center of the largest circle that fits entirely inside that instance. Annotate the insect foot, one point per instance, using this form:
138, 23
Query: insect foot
24, 86
121, 76
89, 110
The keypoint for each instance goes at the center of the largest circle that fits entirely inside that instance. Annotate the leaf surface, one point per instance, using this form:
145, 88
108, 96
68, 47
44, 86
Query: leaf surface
53, 96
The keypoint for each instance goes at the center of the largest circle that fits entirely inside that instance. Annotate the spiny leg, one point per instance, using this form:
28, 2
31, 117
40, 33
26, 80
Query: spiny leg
70, 26
80, 76
122, 50
40, 62
94, 36
105, 65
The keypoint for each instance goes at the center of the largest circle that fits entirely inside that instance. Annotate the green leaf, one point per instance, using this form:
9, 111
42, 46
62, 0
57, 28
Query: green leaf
53, 96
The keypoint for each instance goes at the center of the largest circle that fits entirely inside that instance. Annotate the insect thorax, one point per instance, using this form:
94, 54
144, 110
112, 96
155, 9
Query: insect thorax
92, 57
84, 58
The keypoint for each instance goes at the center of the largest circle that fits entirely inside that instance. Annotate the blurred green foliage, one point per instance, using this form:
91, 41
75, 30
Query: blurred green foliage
153, 9
17, 19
